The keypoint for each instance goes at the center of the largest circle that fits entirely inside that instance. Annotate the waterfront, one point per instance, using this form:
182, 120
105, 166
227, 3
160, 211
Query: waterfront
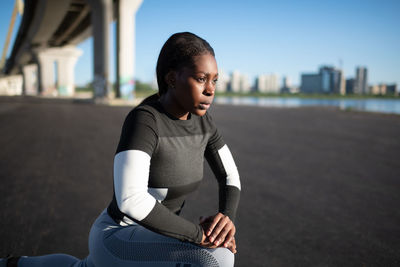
368, 104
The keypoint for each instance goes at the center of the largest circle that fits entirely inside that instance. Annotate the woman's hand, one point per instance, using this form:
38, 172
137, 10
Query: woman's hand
206, 243
219, 230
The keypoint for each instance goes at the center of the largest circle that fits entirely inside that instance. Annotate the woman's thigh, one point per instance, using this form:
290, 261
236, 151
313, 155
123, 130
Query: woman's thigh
114, 245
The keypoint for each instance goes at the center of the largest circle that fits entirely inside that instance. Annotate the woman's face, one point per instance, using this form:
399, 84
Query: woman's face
193, 88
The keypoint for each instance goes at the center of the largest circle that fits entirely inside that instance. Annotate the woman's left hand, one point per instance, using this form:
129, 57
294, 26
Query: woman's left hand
219, 229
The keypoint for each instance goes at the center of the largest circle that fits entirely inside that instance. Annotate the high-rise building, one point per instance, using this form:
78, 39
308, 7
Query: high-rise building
377, 89
244, 84
239, 82
361, 81
329, 80
260, 83
234, 85
383, 89
223, 82
350, 86
285, 85
391, 89
286, 82
267, 83
311, 83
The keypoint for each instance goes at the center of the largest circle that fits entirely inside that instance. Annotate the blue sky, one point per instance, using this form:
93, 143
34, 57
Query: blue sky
285, 37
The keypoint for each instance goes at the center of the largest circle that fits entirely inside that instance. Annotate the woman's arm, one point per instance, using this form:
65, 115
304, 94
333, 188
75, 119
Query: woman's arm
220, 229
225, 170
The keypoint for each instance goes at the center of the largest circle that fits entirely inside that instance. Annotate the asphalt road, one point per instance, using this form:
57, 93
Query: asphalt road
320, 186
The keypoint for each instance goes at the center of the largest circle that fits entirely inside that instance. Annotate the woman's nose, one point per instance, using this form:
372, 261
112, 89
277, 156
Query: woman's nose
209, 89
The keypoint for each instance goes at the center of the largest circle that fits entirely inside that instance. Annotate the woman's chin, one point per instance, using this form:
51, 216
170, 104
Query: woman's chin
200, 112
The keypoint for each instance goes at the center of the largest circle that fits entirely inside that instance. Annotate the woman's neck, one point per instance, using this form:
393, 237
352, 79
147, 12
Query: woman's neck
173, 108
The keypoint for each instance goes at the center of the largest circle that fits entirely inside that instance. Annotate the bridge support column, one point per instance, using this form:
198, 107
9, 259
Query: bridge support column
101, 16
47, 83
30, 77
66, 67
58, 62
125, 45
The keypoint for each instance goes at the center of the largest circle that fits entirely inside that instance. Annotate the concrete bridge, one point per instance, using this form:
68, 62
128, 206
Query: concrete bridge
45, 52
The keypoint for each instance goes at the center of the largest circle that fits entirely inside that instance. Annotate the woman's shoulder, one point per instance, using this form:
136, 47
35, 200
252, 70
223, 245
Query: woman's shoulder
144, 113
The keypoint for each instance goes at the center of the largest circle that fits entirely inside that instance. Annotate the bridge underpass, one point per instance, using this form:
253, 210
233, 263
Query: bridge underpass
45, 53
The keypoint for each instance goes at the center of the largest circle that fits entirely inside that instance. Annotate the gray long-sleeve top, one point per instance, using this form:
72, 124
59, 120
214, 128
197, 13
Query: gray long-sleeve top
159, 161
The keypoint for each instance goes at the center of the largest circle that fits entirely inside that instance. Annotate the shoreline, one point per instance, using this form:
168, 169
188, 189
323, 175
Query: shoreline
274, 102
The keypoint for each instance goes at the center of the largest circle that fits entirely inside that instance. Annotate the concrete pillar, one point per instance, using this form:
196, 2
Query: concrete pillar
126, 12
66, 66
11, 85
60, 61
30, 76
47, 84
101, 16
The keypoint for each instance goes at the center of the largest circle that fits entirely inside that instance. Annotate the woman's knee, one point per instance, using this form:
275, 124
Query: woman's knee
224, 257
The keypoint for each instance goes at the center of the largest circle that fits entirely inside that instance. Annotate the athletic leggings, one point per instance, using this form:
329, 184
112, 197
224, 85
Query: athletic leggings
111, 244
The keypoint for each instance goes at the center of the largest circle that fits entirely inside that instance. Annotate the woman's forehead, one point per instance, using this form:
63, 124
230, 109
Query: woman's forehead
205, 63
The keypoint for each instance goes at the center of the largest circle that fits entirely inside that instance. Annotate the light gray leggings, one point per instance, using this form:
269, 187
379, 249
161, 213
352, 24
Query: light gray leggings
111, 244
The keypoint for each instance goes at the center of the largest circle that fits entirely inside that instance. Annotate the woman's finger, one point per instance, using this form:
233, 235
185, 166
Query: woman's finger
218, 228
229, 237
214, 222
226, 234
223, 234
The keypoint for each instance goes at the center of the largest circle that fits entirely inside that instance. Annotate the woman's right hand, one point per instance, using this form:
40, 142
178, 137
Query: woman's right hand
207, 244
229, 242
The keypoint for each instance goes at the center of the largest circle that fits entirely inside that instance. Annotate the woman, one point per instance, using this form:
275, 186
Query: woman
159, 161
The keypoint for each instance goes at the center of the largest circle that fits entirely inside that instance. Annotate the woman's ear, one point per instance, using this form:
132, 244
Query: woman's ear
170, 79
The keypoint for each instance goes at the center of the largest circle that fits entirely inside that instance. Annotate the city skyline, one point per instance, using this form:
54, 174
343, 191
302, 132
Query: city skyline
327, 80
286, 37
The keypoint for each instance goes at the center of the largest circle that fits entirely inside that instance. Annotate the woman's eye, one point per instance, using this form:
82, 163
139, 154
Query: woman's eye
201, 79
215, 81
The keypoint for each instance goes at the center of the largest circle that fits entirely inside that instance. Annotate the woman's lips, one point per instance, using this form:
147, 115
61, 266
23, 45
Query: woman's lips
204, 105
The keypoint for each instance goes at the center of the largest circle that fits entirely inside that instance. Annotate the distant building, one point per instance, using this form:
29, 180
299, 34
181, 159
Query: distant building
361, 81
350, 86
234, 85
223, 82
267, 83
239, 83
328, 81
245, 85
285, 89
383, 89
391, 89
311, 83
332, 80
377, 89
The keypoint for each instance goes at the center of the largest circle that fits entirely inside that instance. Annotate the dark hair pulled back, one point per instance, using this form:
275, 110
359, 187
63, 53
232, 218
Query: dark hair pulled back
177, 52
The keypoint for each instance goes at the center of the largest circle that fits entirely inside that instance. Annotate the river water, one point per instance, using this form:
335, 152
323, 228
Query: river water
370, 104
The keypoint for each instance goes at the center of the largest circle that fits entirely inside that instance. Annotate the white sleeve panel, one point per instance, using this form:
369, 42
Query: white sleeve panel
229, 166
131, 176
